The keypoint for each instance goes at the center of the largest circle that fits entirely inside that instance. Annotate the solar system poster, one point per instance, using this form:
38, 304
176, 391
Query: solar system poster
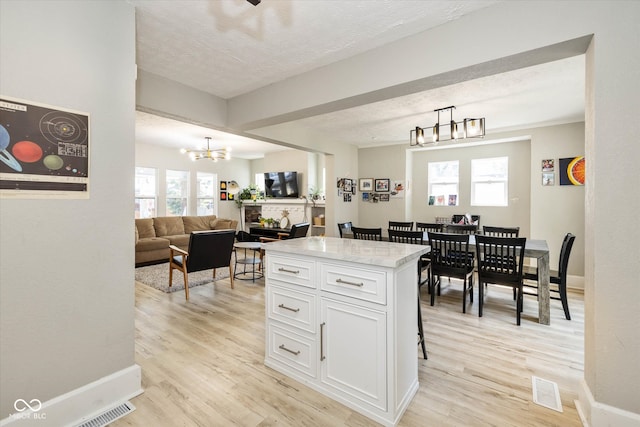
44, 151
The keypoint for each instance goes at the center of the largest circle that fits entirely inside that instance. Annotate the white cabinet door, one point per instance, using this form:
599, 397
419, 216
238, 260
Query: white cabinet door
353, 352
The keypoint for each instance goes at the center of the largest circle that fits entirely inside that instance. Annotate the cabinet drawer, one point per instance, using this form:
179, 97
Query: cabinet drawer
358, 283
291, 270
294, 350
292, 307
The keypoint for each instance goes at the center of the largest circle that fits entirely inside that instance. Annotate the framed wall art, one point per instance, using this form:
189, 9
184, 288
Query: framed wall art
44, 151
382, 185
571, 170
366, 184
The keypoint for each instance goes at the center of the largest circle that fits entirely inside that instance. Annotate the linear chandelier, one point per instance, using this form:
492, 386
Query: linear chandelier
215, 155
468, 128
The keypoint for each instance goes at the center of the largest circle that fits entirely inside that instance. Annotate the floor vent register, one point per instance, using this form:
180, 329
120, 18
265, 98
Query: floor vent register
545, 393
109, 416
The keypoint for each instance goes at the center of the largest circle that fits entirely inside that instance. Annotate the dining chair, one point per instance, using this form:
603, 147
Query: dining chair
429, 226
362, 233
297, 230
500, 261
207, 250
445, 261
344, 227
461, 228
488, 230
413, 238
399, 225
557, 277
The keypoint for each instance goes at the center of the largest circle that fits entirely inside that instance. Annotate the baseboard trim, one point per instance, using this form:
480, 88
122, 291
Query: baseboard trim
596, 414
575, 283
81, 404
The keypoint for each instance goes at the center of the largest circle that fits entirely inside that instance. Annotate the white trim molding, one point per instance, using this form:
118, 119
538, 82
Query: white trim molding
596, 414
79, 405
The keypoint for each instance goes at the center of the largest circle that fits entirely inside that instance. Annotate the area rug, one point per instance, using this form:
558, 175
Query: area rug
157, 276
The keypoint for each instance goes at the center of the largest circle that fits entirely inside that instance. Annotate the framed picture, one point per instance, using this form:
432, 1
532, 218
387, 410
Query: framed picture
547, 165
572, 170
223, 185
366, 184
549, 178
347, 185
44, 151
382, 185
384, 197
397, 189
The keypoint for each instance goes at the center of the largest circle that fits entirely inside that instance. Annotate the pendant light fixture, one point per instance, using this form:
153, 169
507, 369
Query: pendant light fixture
468, 128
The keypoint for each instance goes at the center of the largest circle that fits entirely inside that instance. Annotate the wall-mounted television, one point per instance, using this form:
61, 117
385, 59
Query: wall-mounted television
281, 184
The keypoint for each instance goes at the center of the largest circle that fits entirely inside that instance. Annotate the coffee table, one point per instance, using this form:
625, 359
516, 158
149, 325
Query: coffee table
252, 259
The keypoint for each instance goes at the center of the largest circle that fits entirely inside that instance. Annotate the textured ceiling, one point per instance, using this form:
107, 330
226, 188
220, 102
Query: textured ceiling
229, 47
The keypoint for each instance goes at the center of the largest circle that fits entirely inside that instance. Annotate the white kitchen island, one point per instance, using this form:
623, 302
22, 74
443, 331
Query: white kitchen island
341, 317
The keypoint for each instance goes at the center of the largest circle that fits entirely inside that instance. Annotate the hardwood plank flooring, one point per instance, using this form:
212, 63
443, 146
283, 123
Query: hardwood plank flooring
202, 363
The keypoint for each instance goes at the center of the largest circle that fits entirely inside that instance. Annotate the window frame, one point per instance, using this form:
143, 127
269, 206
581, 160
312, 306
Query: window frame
443, 181
476, 181
185, 191
211, 197
142, 196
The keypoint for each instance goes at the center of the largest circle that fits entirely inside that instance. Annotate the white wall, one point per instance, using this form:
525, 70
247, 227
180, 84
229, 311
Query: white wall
163, 159
66, 288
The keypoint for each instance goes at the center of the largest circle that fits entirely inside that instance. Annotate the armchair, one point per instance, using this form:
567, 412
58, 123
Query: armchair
207, 250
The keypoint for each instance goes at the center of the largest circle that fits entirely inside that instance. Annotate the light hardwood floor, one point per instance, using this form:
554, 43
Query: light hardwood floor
202, 363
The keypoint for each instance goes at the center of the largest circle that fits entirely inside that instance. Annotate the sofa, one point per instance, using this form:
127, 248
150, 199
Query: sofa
154, 235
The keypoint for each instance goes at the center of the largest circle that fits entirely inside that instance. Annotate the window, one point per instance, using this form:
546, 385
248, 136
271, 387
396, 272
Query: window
443, 183
177, 192
146, 194
205, 193
490, 181
259, 177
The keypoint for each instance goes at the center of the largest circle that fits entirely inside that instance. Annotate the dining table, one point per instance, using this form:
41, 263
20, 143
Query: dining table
534, 248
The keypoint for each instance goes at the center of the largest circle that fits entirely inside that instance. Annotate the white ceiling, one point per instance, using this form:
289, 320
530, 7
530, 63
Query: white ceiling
229, 47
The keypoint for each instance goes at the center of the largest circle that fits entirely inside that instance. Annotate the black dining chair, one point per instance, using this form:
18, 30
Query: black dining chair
362, 233
557, 277
207, 250
488, 230
500, 261
461, 228
429, 226
425, 260
344, 228
445, 261
413, 238
399, 225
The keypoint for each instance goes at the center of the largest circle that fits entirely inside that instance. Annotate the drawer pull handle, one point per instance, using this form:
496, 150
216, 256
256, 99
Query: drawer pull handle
322, 341
350, 283
282, 347
295, 310
284, 270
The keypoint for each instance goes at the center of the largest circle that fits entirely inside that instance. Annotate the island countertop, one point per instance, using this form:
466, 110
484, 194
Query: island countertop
384, 254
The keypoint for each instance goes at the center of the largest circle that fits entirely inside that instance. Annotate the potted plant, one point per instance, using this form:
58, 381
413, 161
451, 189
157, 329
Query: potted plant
314, 194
